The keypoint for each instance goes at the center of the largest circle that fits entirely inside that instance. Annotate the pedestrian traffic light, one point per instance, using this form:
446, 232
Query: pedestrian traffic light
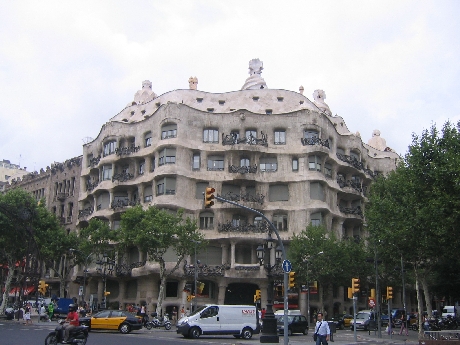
355, 285
373, 293
291, 279
257, 296
208, 197
42, 287
389, 292
199, 287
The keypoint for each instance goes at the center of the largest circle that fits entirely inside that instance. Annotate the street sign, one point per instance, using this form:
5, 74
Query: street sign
371, 302
287, 266
80, 291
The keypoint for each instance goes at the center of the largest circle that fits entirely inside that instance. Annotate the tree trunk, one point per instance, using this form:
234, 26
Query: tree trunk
161, 293
419, 304
426, 293
321, 298
9, 279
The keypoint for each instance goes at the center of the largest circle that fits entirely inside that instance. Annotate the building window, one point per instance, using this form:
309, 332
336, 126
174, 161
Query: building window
354, 155
196, 161
166, 186
239, 220
314, 163
280, 221
167, 156
107, 172
152, 166
206, 221
295, 164
356, 179
235, 134
268, 164
215, 163
148, 198
251, 136
148, 139
109, 147
258, 220
280, 137
141, 167
211, 136
169, 131
244, 162
328, 170
278, 192
317, 191
316, 219
310, 134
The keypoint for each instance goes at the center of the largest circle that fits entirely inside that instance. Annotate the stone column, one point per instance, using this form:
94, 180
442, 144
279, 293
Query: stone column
232, 254
263, 294
224, 253
222, 290
122, 292
303, 303
100, 290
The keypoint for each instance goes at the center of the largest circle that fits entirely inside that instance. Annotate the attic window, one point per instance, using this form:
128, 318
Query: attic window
132, 113
157, 104
143, 112
199, 100
255, 99
280, 99
210, 110
301, 102
221, 102
125, 120
232, 109
268, 111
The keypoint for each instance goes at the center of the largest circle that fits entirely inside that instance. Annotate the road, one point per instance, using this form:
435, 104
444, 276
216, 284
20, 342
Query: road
15, 333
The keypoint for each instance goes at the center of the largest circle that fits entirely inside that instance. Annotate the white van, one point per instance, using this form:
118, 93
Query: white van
448, 310
241, 321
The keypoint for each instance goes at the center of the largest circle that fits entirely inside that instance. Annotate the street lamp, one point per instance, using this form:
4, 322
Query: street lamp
105, 268
195, 269
269, 327
85, 271
307, 260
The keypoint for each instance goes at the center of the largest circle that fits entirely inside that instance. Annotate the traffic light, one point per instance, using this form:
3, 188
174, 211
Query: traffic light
373, 293
350, 293
389, 292
257, 296
106, 293
42, 287
190, 297
355, 285
208, 197
200, 287
291, 279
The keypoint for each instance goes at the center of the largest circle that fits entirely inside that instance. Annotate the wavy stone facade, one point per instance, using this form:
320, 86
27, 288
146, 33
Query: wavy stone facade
272, 150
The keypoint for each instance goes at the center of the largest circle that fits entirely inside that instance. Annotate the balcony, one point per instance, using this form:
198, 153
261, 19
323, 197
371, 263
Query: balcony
233, 139
91, 185
244, 197
122, 203
122, 177
242, 169
352, 210
120, 151
259, 227
350, 183
315, 141
85, 212
93, 162
61, 196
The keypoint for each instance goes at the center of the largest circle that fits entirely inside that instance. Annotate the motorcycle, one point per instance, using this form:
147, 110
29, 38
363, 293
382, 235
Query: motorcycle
156, 323
79, 335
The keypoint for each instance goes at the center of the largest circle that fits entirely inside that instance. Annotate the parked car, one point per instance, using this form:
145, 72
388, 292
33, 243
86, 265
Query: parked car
296, 324
113, 320
342, 321
363, 320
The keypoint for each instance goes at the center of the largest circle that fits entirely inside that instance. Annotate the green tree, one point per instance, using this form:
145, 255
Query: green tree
154, 231
413, 212
339, 261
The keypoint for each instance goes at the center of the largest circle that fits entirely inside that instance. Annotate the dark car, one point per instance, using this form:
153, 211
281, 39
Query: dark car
296, 324
113, 320
342, 321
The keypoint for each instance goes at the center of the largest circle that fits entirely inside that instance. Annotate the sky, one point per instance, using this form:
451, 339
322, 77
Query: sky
67, 67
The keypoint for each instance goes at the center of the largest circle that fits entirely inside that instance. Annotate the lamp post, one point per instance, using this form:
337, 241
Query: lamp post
105, 268
307, 260
269, 327
85, 271
195, 269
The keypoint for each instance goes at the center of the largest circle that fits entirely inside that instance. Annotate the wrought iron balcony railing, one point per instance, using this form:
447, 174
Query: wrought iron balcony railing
242, 169
350, 183
122, 177
127, 150
91, 185
85, 212
94, 161
232, 139
352, 210
122, 203
205, 270
315, 141
259, 227
244, 197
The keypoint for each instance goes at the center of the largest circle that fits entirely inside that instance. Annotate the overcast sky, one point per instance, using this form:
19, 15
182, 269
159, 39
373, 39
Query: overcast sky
67, 67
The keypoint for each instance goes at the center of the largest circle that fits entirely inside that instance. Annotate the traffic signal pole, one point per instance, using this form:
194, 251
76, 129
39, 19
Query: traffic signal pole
280, 243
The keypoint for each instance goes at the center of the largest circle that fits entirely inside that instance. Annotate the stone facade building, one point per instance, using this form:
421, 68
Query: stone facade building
272, 150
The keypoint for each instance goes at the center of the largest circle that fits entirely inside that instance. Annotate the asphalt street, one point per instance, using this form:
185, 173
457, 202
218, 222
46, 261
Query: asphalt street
15, 333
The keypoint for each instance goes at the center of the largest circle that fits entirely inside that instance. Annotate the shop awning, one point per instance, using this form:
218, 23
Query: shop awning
17, 290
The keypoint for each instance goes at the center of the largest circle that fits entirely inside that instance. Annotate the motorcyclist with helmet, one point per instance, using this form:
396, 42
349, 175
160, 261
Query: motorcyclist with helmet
72, 318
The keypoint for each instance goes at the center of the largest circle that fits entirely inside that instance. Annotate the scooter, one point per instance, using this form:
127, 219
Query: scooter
155, 323
79, 335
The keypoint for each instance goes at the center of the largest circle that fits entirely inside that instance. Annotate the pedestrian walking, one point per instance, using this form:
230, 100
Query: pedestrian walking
403, 325
322, 331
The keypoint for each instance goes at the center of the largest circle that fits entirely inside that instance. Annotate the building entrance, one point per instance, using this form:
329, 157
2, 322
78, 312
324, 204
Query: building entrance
240, 293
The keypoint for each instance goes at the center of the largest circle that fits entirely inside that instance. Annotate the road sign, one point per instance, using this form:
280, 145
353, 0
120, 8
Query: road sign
371, 302
80, 291
287, 266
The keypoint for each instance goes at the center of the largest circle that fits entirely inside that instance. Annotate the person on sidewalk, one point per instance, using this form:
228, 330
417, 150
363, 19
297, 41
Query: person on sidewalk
322, 330
403, 325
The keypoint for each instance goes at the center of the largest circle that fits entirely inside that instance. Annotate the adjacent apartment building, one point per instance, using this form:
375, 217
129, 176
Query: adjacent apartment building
272, 150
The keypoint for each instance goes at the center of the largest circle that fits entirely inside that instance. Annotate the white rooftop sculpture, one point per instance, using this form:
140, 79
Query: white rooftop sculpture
255, 80
319, 96
377, 142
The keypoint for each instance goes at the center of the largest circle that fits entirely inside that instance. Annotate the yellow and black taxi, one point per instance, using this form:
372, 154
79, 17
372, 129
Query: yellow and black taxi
113, 320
